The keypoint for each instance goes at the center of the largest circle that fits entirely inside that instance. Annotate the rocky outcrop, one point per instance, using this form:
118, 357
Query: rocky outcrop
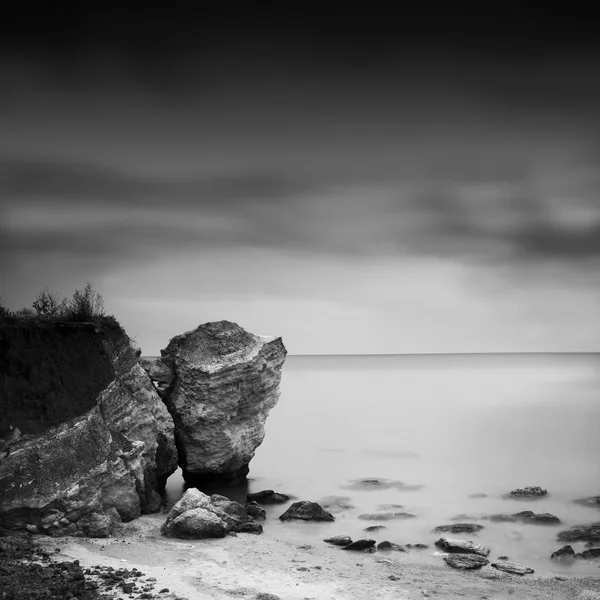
94, 439
219, 383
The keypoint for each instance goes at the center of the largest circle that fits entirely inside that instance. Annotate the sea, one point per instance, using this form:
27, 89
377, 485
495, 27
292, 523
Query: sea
446, 438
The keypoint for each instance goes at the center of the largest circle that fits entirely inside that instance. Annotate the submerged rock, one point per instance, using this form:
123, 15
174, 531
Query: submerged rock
380, 484
96, 439
387, 545
458, 528
267, 497
306, 511
511, 567
336, 504
417, 546
564, 553
386, 516
461, 546
339, 540
584, 533
592, 502
372, 528
466, 561
226, 380
590, 554
528, 492
525, 516
360, 545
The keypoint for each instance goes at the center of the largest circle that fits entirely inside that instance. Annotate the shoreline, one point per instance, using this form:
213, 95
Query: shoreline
246, 565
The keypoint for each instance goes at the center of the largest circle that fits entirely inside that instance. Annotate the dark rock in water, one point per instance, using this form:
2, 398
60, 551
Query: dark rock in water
380, 484
478, 495
503, 557
256, 511
463, 517
336, 504
590, 554
466, 561
458, 528
391, 546
511, 567
306, 511
226, 381
529, 492
267, 497
388, 516
360, 545
248, 527
372, 528
461, 546
527, 516
263, 596
592, 502
564, 553
585, 533
417, 546
501, 518
339, 540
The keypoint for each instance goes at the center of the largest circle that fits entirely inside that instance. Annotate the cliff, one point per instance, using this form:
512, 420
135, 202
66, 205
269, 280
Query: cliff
84, 437
219, 383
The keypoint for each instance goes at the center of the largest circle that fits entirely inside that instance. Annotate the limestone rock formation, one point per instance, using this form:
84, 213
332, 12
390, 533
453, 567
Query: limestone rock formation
95, 439
223, 383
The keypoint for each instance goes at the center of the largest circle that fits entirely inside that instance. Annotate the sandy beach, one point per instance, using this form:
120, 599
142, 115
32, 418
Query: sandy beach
245, 565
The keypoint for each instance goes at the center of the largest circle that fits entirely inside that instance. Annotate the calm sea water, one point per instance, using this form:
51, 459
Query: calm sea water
446, 427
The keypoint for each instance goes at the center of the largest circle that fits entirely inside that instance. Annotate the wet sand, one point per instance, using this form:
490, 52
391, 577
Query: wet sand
246, 565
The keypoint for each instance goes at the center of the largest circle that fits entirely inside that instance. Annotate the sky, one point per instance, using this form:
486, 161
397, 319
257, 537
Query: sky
352, 182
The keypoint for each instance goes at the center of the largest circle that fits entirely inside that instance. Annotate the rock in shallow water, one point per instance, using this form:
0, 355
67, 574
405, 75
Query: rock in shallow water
564, 553
267, 497
306, 511
226, 380
529, 492
461, 546
458, 528
339, 540
466, 561
387, 545
386, 516
511, 567
585, 533
360, 545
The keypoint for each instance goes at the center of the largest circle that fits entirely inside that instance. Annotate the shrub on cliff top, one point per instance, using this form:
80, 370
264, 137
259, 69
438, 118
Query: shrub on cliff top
85, 305
49, 304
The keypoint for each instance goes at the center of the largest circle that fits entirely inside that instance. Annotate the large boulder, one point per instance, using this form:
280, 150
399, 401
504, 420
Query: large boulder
84, 432
225, 382
197, 516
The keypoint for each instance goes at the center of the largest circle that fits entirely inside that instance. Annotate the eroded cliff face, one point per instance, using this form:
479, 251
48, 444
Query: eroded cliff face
219, 383
84, 437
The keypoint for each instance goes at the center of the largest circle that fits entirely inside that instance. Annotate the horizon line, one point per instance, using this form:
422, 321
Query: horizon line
583, 352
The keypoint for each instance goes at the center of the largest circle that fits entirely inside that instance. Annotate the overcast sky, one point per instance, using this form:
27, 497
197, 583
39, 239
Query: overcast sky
355, 187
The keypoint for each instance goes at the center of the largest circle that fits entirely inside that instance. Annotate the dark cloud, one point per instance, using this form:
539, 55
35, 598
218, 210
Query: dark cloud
86, 211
